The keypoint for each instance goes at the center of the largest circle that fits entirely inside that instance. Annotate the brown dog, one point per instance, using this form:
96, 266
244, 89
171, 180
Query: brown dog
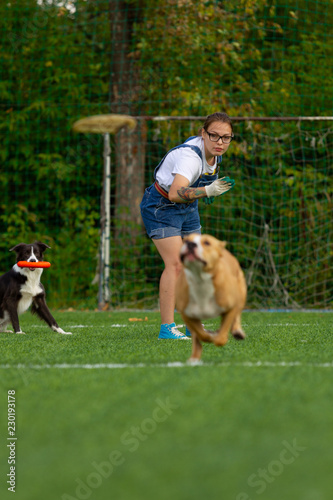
210, 284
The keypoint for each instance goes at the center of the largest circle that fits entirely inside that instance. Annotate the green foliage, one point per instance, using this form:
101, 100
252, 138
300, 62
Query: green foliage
51, 179
253, 59
186, 58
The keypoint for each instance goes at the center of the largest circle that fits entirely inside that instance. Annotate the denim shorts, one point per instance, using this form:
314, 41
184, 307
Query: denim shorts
164, 218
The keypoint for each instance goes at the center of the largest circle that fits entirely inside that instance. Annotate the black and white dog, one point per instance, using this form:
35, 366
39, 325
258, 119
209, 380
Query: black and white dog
21, 287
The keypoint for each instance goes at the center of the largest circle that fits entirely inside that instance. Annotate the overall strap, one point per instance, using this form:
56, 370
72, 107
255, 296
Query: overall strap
196, 149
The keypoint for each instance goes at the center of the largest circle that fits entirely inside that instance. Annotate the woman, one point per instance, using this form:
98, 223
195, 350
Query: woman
169, 207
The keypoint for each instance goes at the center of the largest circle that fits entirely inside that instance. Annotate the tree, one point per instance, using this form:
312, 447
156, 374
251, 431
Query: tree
125, 90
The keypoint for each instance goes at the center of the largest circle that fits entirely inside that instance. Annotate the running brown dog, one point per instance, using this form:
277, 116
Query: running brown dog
210, 284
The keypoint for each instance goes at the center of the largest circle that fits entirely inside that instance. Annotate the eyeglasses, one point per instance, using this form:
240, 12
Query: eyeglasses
226, 139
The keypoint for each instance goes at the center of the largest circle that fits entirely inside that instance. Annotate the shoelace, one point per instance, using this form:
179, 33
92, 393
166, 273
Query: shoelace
176, 332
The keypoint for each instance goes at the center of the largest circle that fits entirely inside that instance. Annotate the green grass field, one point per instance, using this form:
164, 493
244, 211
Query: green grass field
254, 421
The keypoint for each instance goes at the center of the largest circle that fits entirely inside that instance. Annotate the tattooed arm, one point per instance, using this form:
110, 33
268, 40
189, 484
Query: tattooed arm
188, 194
180, 192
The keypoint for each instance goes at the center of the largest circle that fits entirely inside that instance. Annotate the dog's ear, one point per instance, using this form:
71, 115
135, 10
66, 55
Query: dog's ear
17, 248
42, 246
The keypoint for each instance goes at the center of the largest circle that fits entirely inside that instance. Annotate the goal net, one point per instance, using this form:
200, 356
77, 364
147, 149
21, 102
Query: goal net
277, 220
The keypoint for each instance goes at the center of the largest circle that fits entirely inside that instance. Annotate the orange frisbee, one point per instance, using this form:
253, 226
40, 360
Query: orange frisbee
24, 263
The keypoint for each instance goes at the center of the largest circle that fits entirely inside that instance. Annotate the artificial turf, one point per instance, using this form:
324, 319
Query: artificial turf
253, 421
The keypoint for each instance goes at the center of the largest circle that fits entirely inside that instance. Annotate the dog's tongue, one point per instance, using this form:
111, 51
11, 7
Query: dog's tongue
191, 257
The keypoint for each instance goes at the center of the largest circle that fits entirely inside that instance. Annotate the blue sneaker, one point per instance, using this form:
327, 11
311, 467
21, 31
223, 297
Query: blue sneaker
171, 332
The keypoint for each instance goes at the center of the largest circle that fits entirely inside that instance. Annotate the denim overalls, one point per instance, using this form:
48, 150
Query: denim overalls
164, 218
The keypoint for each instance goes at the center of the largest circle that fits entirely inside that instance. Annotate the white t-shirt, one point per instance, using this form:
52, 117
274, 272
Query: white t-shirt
186, 162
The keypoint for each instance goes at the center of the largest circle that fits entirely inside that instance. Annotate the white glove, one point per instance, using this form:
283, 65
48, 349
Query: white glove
220, 186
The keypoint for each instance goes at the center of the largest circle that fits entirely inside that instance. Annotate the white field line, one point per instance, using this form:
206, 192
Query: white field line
174, 364
88, 326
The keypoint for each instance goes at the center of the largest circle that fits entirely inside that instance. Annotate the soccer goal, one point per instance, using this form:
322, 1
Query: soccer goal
277, 220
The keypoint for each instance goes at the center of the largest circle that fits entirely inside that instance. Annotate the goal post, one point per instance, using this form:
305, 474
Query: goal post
104, 124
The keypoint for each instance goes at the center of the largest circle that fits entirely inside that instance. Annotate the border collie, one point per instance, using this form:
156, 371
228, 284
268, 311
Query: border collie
21, 287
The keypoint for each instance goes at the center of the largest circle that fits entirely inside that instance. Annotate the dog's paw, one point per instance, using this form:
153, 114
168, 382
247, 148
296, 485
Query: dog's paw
60, 330
20, 332
194, 362
239, 335
220, 341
